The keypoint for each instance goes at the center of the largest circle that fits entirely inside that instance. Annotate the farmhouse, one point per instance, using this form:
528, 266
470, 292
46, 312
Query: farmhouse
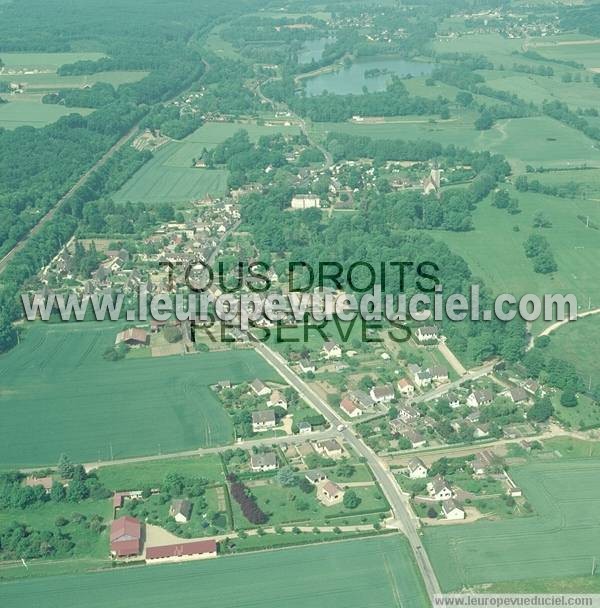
382, 394
451, 510
134, 336
406, 387
263, 420
259, 388
180, 510
330, 447
439, 488
277, 400
417, 469
305, 201
427, 333
480, 397
329, 493
45, 482
331, 350
350, 408
199, 549
125, 537
263, 462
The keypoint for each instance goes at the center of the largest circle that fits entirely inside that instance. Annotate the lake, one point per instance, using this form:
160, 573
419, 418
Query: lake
352, 79
313, 49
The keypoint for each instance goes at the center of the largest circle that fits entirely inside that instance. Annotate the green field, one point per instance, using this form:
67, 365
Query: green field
28, 110
567, 343
378, 573
560, 540
169, 176
52, 81
140, 474
45, 61
58, 394
502, 264
587, 54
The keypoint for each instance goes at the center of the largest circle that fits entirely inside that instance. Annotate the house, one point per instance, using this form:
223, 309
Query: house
361, 399
481, 430
453, 400
316, 476
259, 388
181, 510
417, 469
45, 482
420, 376
329, 493
305, 201
406, 413
125, 537
451, 510
432, 182
406, 387
277, 400
263, 420
306, 366
267, 461
512, 488
427, 333
484, 461
198, 549
480, 397
531, 386
331, 350
518, 395
304, 427
414, 437
350, 408
439, 488
382, 394
134, 336
438, 373
330, 448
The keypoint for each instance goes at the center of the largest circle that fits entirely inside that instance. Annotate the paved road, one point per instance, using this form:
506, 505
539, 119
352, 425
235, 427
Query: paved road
403, 515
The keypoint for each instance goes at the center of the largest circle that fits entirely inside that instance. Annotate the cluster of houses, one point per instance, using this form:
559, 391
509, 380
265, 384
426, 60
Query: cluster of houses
264, 420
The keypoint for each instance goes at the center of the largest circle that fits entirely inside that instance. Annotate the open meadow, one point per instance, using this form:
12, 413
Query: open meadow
560, 539
28, 110
378, 573
501, 262
58, 394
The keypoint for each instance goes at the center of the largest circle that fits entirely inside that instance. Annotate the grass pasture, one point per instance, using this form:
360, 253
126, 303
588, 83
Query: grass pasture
560, 540
50, 81
45, 61
379, 573
502, 264
28, 110
58, 394
582, 51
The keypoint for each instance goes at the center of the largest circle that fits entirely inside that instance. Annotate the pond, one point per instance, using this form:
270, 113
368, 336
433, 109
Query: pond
373, 72
313, 49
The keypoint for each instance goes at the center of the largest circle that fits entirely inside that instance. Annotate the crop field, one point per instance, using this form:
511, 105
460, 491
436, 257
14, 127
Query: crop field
50, 81
502, 264
58, 394
170, 178
28, 110
378, 573
560, 540
582, 51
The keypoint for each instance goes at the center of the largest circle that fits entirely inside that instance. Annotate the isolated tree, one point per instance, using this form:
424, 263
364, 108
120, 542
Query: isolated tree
568, 398
286, 477
541, 410
351, 499
432, 513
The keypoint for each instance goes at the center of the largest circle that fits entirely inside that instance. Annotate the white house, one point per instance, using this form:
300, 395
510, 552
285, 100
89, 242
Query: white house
305, 201
480, 397
406, 387
329, 493
180, 510
263, 462
263, 420
259, 388
331, 350
417, 469
427, 333
451, 510
439, 488
382, 394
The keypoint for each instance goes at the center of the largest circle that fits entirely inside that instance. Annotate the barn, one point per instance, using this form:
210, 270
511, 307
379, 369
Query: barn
125, 537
